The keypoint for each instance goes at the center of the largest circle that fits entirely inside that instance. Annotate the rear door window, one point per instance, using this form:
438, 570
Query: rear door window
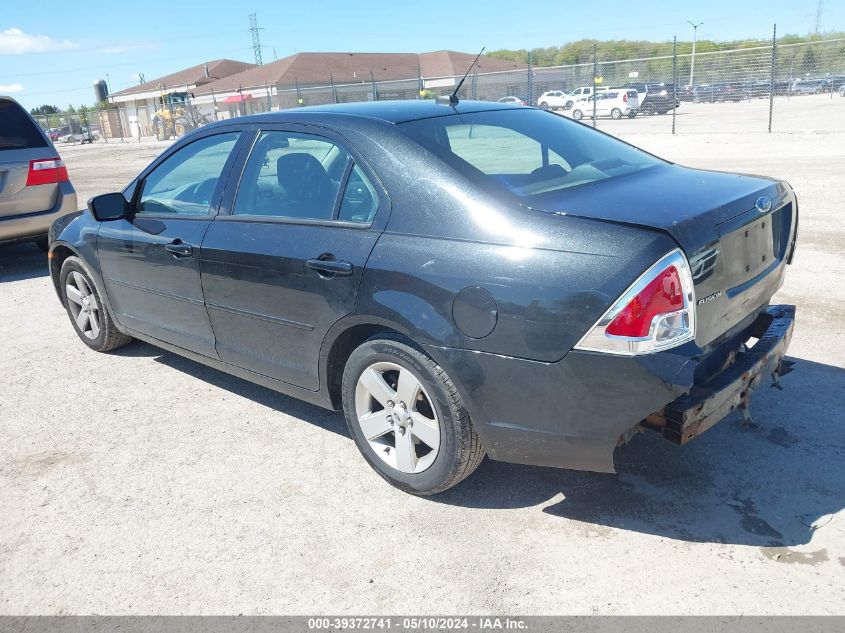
17, 131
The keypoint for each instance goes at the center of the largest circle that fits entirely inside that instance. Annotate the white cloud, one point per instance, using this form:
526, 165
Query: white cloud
13, 41
10, 88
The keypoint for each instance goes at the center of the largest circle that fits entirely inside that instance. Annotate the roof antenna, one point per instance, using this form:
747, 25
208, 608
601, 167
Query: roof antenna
452, 99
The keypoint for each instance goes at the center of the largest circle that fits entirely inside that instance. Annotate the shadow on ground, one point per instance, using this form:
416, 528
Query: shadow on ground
328, 420
22, 261
769, 485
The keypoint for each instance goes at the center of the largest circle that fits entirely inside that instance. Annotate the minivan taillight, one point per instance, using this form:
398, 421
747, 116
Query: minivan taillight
656, 313
46, 171
625, 97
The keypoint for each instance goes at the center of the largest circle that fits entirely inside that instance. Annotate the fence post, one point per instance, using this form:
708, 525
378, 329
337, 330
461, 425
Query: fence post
674, 79
375, 88
334, 89
772, 84
475, 85
530, 91
595, 71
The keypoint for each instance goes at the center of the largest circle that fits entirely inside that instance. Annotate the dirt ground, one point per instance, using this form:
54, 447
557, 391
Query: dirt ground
138, 482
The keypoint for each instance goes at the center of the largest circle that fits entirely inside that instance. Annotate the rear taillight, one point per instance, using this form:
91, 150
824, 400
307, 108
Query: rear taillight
656, 313
625, 98
46, 171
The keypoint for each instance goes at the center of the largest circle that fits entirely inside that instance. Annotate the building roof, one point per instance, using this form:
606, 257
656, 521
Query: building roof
193, 76
310, 69
454, 63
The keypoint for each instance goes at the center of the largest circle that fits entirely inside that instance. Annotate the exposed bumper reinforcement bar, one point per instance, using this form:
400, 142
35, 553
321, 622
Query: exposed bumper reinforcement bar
690, 415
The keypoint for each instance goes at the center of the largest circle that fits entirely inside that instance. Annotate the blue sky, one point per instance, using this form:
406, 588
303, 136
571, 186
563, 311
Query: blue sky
52, 52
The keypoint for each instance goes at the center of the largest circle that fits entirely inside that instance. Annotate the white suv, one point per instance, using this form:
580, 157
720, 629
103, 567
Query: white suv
555, 99
612, 102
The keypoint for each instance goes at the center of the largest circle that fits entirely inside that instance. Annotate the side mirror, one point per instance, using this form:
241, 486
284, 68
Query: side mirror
108, 206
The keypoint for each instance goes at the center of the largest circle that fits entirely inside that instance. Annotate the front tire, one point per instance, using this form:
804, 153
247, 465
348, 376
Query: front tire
407, 417
616, 113
88, 314
577, 115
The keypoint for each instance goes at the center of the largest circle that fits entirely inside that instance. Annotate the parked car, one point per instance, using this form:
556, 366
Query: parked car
615, 103
454, 292
34, 185
513, 100
655, 98
719, 92
762, 88
585, 92
808, 86
556, 100
842, 91
84, 135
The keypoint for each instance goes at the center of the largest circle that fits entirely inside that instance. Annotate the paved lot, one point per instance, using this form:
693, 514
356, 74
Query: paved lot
139, 482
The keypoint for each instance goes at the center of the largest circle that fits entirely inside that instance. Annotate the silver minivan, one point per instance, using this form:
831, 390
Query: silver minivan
34, 185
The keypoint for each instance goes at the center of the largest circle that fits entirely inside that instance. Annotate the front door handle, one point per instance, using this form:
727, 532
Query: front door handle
330, 266
179, 249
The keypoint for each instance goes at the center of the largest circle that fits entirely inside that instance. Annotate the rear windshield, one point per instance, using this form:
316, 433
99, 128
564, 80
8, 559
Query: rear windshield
528, 152
17, 131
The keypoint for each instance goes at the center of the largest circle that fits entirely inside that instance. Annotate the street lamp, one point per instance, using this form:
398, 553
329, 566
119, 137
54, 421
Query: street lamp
694, 38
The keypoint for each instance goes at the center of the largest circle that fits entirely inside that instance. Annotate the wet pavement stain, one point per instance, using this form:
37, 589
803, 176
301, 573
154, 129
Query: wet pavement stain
792, 557
750, 522
780, 436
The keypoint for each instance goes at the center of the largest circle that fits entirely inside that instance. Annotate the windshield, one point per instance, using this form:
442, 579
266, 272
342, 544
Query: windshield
528, 152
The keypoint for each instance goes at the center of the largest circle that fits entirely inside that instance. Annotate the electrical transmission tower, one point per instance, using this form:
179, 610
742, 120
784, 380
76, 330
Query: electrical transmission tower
256, 42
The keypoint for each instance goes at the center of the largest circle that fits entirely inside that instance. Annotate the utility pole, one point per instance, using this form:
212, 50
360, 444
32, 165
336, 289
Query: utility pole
819, 11
256, 42
694, 38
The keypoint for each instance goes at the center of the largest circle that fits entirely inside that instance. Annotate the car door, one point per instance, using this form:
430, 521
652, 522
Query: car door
283, 260
150, 260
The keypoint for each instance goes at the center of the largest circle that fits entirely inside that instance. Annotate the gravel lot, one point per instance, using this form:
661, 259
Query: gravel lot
139, 482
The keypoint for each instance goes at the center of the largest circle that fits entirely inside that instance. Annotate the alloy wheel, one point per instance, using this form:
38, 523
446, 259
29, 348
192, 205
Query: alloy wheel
83, 305
397, 417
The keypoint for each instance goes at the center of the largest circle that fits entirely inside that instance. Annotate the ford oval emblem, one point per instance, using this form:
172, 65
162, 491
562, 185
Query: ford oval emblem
763, 204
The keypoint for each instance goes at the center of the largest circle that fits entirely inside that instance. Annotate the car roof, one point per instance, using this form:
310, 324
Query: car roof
387, 111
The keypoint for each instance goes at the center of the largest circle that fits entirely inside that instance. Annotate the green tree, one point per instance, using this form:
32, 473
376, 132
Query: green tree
44, 109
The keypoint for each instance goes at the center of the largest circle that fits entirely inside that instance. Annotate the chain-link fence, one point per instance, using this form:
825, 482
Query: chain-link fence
694, 89
782, 86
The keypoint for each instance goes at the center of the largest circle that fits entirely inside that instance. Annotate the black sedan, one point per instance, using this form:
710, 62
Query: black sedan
461, 279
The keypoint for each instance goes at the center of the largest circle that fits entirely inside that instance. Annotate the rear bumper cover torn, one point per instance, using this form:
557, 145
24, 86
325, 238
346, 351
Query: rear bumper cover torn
691, 414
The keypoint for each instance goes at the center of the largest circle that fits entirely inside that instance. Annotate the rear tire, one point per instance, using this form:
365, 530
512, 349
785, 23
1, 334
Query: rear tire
88, 313
407, 401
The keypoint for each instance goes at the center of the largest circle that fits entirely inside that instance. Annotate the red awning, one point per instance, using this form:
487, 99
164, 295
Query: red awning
237, 98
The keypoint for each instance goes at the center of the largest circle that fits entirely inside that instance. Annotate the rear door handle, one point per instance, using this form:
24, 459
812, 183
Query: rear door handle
179, 248
330, 266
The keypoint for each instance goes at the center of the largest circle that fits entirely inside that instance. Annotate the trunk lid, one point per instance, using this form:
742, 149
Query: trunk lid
737, 252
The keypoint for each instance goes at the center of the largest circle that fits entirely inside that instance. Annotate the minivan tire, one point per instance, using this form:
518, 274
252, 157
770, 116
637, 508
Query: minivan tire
460, 449
616, 113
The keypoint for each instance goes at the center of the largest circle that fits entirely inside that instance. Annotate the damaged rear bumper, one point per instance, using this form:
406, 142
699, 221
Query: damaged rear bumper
576, 412
691, 414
